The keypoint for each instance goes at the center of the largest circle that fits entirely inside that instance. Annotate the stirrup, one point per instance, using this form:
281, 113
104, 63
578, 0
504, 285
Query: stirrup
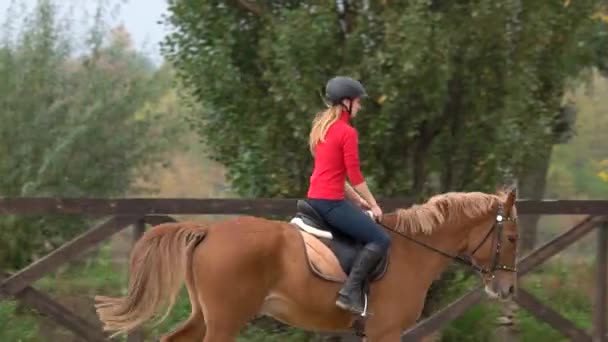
360, 319
364, 313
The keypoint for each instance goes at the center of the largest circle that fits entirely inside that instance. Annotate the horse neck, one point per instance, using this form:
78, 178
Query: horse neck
426, 263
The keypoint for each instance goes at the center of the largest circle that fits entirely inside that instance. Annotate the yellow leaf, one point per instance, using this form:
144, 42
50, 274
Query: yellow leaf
603, 175
600, 16
381, 99
566, 3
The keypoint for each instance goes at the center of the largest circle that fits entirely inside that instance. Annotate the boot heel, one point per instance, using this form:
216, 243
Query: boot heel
345, 304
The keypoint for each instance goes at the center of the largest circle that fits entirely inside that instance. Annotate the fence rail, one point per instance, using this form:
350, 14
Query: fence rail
262, 206
137, 212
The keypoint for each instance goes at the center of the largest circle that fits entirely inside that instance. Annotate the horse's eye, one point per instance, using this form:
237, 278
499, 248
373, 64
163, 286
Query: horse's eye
512, 239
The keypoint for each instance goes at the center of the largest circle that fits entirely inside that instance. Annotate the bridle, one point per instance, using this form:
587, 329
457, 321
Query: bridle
496, 240
497, 228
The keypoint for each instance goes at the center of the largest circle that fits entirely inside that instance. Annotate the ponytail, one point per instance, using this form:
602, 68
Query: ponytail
323, 120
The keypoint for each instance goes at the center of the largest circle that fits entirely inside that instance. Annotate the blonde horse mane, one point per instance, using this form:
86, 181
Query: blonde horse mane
443, 209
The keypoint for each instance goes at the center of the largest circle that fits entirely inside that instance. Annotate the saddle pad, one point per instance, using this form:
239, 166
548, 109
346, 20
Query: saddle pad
321, 259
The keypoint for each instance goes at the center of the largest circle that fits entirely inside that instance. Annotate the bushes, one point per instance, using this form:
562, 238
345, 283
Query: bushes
15, 325
478, 324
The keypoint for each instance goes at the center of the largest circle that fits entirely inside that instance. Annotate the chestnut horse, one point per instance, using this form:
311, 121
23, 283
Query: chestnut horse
247, 266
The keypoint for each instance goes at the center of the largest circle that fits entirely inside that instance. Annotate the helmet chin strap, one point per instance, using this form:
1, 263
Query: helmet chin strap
349, 108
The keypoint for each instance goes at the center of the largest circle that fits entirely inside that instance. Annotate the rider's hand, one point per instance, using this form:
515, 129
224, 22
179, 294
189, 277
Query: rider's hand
376, 211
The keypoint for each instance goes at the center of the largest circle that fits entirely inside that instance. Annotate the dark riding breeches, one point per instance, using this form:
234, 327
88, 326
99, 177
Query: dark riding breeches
351, 221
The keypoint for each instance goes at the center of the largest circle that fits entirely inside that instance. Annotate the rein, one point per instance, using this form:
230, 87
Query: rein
496, 227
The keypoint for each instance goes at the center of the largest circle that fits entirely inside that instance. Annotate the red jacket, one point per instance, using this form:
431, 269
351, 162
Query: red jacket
336, 158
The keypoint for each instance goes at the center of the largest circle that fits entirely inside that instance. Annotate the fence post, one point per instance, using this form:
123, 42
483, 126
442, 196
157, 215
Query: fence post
601, 298
508, 330
139, 228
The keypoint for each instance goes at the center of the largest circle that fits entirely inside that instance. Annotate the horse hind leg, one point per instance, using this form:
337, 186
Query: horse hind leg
231, 298
234, 273
226, 315
194, 328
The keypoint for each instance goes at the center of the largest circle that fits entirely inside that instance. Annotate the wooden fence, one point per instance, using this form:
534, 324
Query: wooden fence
139, 212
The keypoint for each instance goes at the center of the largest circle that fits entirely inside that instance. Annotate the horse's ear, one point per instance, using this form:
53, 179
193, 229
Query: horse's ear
511, 196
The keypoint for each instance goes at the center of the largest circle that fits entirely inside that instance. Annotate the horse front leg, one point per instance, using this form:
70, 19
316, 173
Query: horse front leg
389, 322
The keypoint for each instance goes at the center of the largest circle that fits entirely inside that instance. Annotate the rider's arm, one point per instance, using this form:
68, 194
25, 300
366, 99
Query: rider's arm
351, 161
354, 196
366, 194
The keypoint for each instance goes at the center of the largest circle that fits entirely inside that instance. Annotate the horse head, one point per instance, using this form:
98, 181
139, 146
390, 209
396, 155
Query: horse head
492, 247
474, 228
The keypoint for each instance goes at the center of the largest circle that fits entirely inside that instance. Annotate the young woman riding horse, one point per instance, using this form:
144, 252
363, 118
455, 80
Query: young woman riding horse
334, 145
246, 266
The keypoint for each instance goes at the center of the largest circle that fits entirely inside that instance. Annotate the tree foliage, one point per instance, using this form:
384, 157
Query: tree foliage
580, 168
69, 127
463, 94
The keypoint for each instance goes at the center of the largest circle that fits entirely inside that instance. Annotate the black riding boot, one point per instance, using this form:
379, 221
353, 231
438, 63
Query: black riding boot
350, 296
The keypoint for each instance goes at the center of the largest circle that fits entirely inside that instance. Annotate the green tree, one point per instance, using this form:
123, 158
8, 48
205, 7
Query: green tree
574, 43
69, 127
464, 94
580, 168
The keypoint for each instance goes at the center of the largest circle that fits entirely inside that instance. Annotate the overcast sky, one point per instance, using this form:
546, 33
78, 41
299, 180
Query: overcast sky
139, 17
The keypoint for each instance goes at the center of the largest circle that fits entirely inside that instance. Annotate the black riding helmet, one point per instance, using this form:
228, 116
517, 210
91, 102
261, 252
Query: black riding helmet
342, 87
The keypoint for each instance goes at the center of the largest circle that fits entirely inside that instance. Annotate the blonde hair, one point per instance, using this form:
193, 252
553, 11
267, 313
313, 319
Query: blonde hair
323, 120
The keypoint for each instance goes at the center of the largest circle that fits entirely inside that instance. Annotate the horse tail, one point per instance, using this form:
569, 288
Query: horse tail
159, 265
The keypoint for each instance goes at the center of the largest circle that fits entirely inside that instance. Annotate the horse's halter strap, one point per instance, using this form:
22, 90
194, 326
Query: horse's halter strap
496, 241
496, 227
